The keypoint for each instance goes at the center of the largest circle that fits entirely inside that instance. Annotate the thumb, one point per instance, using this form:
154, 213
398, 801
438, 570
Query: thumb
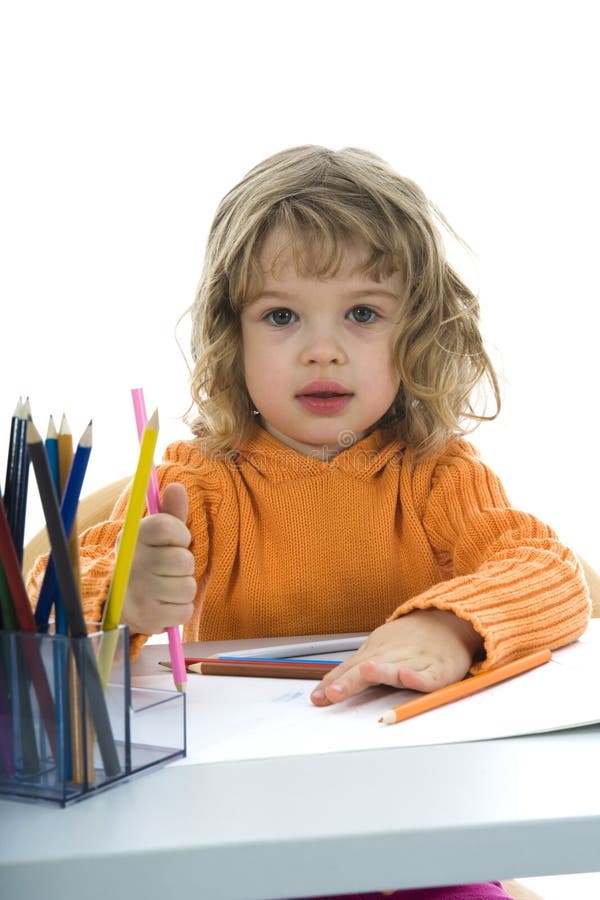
175, 501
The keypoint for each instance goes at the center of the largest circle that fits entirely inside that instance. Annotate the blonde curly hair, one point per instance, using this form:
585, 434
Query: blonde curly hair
322, 200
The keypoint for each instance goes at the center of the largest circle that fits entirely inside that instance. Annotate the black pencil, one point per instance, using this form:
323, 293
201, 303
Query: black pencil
86, 662
26, 659
12, 447
17, 477
22, 485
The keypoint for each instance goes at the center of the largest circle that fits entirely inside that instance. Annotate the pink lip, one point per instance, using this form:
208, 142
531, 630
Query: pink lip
324, 387
324, 398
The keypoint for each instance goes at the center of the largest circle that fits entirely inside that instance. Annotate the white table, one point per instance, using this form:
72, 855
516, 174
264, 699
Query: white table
323, 823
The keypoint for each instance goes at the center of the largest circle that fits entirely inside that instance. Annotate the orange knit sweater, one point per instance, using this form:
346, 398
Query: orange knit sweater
287, 544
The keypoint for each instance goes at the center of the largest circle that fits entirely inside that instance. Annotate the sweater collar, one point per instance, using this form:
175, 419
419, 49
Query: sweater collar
275, 460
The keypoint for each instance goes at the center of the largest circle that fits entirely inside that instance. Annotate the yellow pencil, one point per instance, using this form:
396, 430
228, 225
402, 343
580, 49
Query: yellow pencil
133, 516
131, 526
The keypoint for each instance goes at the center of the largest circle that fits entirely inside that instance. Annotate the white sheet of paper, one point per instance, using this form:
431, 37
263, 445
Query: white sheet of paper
232, 718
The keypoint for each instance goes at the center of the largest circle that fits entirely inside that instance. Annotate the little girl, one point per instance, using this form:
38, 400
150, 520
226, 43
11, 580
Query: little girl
329, 487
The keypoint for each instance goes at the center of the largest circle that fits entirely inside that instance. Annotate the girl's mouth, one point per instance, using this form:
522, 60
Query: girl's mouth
324, 403
324, 398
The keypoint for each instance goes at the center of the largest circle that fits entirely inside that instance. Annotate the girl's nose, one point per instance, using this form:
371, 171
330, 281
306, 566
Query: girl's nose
323, 349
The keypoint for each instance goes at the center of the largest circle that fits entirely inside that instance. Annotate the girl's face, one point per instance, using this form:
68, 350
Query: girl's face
318, 351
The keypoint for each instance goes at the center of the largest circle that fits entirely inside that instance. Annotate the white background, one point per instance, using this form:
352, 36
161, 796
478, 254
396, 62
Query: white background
124, 123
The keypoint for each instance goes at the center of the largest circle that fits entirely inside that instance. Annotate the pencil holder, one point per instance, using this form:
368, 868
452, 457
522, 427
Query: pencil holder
71, 725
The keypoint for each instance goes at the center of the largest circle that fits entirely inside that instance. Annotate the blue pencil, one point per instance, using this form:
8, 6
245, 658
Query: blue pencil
51, 444
53, 598
68, 511
284, 659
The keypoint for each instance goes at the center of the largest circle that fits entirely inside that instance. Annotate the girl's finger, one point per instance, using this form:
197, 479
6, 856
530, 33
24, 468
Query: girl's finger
182, 593
168, 561
165, 589
399, 675
341, 685
321, 696
336, 673
347, 683
164, 530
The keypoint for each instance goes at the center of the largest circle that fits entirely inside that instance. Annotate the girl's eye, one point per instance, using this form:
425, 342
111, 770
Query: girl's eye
363, 314
280, 317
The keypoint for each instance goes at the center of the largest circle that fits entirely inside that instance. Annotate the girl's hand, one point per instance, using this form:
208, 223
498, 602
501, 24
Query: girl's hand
161, 587
424, 650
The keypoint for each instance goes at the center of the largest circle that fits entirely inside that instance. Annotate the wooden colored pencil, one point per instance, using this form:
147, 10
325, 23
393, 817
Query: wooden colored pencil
51, 444
11, 460
17, 477
457, 690
131, 527
71, 472
141, 419
65, 452
56, 532
86, 662
72, 488
46, 600
153, 501
259, 668
26, 622
12, 442
18, 699
65, 460
14, 577
22, 484
72, 469
68, 510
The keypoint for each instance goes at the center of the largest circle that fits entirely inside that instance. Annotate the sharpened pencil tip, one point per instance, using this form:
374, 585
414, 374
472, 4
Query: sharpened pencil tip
86, 437
64, 425
153, 421
181, 688
51, 433
33, 435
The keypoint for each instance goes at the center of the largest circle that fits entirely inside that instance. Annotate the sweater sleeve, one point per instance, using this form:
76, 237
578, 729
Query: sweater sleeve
505, 571
98, 544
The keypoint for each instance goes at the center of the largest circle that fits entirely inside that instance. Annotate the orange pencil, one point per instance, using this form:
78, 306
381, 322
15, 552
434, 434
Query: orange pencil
463, 688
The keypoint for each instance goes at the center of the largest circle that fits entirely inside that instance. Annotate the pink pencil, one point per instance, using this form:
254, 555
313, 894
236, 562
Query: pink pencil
153, 498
